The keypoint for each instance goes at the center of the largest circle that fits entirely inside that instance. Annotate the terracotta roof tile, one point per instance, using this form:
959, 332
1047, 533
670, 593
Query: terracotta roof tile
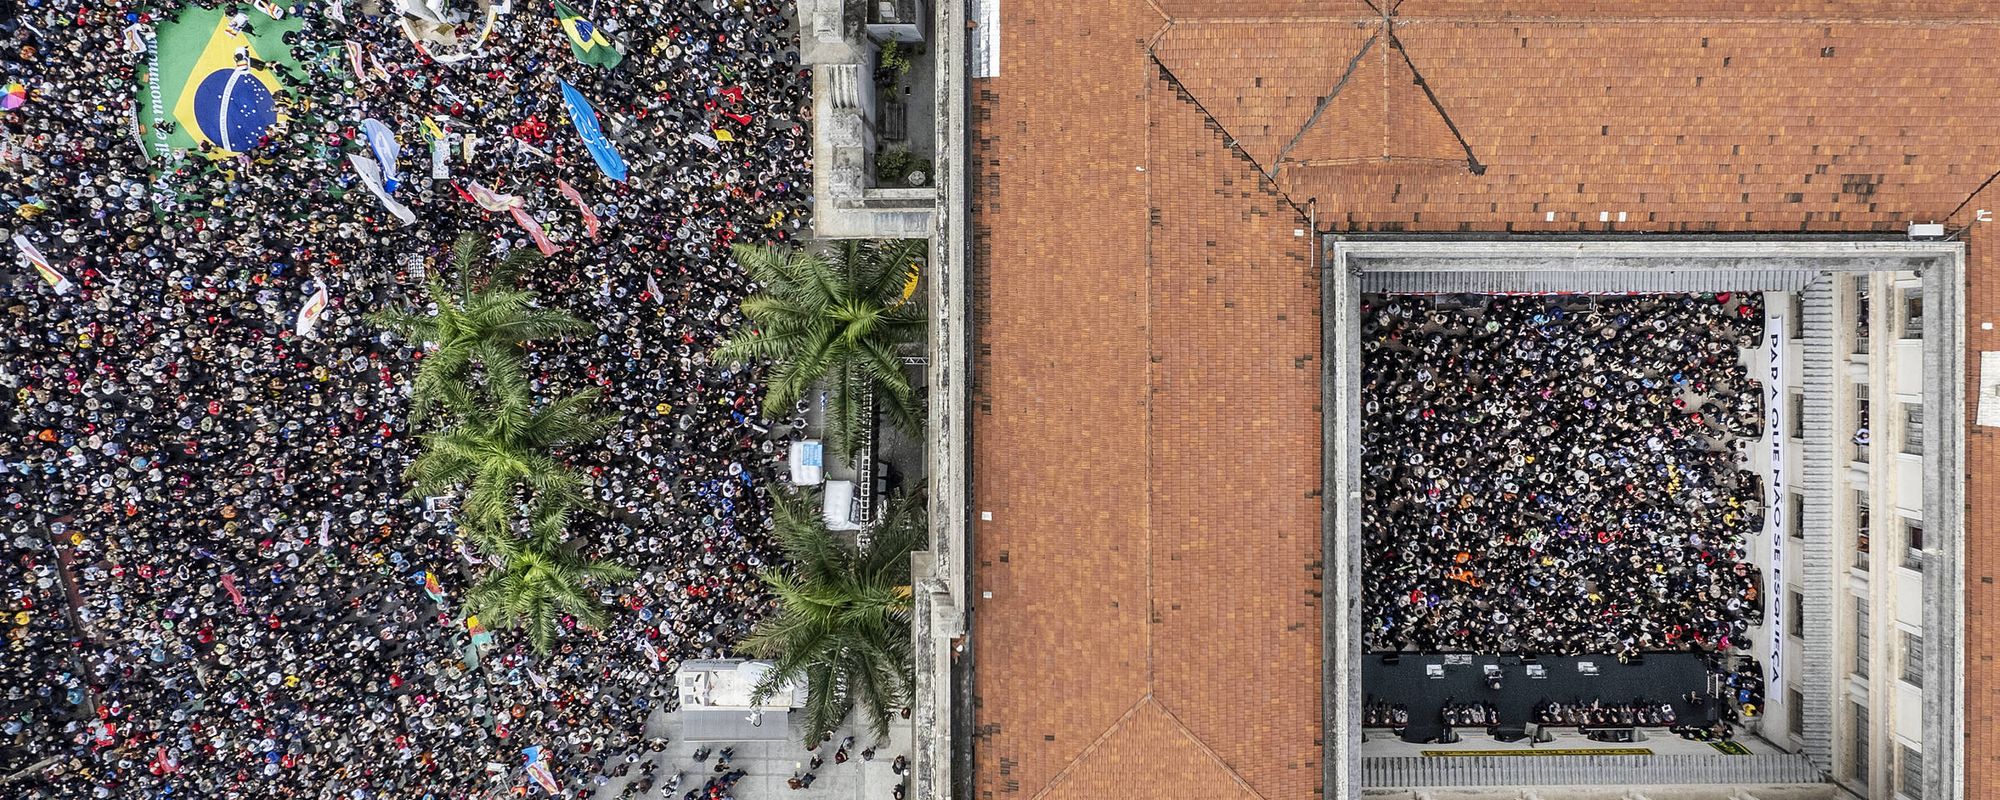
1382, 115
1208, 9
1061, 388
1528, 10
1982, 496
1757, 127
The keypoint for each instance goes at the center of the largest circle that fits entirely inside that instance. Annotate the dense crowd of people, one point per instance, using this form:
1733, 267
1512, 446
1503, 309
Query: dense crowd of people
1560, 475
213, 585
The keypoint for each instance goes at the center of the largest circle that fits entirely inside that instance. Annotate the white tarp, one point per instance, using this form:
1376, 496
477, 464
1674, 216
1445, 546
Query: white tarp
985, 39
371, 177
839, 509
807, 459
1989, 389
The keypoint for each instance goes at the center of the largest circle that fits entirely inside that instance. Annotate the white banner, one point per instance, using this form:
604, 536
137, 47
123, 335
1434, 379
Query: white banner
1776, 527
440, 165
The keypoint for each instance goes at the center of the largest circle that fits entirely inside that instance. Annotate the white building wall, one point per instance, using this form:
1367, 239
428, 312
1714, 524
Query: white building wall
1888, 374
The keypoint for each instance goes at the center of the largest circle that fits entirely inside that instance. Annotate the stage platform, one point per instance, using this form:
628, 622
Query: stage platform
1423, 682
1381, 743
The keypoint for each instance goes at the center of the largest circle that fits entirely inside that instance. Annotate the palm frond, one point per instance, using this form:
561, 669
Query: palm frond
894, 395
539, 323
827, 704
902, 529
408, 325
846, 411
889, 264
517, 261
799, 526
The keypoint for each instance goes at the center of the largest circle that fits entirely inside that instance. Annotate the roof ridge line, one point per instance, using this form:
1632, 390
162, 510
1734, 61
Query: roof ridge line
1094, 744
1326, 100
1203, 746
1145, 700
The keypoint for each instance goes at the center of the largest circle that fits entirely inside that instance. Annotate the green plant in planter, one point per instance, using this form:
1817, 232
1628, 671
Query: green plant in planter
893, 166
894, 62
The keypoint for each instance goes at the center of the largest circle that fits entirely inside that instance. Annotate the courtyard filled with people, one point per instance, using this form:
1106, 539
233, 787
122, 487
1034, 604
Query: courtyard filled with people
1562, 475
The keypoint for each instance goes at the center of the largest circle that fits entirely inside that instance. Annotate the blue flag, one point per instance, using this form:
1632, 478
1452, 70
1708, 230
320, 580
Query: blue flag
382, 140
585, 119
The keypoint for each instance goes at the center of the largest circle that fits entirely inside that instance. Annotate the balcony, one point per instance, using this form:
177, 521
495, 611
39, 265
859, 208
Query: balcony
874, 141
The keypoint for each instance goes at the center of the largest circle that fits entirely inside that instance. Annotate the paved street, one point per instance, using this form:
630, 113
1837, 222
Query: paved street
770, 765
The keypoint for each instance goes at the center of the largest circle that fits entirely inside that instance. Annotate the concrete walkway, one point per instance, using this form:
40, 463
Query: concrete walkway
770, 764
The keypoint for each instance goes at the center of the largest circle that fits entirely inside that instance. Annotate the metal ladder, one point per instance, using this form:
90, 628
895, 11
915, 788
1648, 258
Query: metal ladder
864, 464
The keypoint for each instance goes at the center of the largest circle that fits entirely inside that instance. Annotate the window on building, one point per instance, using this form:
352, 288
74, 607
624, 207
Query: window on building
1913, 429
1795, 515
1862, 434
1909, 773
1795, 712
1913, 314
1795, 605
1858, 736
1796, 408
1861, 530
1861, 638
1913, 545
1861, 313
1913, 659
1795, 321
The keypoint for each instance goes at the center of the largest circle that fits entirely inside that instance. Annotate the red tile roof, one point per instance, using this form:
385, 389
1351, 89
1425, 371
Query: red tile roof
1147, 357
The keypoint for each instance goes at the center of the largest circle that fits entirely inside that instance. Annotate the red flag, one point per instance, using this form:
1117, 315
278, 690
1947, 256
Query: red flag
590, 221
534, 230
229, 584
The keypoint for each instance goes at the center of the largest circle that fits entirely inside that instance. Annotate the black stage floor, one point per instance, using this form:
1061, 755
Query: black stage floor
1658, 677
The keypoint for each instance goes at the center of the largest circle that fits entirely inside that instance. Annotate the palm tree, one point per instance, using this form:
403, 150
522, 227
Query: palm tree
496, 455
843, 620
482, 323
837, 316
499, 450
538, 586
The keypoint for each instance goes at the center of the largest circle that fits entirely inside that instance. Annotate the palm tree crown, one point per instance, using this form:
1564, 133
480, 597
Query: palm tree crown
839, 316
483, 322
843, 620
538, 586
498, 454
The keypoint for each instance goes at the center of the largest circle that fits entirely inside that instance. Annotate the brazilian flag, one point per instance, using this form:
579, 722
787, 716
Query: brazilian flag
585, 40
212, 83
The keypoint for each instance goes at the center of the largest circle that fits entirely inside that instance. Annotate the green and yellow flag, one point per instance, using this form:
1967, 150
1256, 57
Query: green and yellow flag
208, 82
585, 40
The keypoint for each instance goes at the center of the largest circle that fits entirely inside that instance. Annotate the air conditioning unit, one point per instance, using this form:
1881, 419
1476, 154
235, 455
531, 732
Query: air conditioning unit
896, 12
900, 20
